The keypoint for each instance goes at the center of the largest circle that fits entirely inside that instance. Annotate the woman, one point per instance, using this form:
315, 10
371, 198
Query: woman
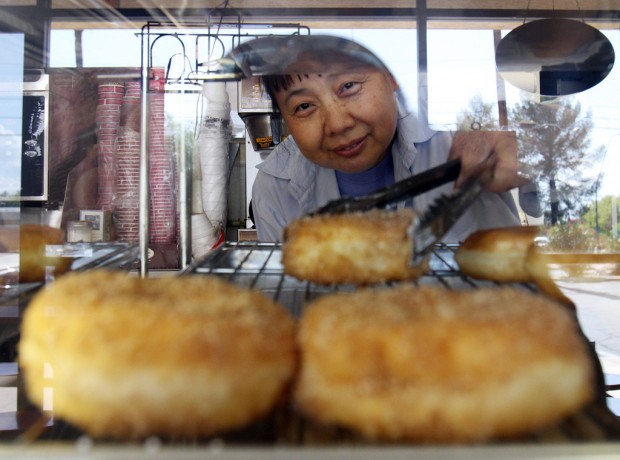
351, 134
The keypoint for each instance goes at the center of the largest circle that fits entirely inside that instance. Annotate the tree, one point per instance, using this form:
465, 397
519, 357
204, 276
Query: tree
599, 216
479, 115
555, 150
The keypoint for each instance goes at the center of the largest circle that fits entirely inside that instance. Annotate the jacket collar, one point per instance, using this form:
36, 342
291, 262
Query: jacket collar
310, 184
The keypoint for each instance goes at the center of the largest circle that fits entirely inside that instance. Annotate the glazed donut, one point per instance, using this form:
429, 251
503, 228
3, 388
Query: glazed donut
30, 241
432, 365
497, 254
352, 248
177, 357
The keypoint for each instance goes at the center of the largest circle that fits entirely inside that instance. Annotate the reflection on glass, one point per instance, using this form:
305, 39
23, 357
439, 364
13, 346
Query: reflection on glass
555, 57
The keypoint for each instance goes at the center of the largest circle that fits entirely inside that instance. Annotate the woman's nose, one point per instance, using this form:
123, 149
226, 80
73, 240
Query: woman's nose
338, 118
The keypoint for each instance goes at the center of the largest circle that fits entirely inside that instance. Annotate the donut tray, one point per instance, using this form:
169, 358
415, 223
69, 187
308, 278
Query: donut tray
259, 266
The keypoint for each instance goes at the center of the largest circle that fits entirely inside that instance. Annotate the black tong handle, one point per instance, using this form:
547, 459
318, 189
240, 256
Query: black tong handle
409, 187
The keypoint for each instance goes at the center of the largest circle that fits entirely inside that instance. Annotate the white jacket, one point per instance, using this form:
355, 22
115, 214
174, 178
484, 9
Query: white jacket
288, 185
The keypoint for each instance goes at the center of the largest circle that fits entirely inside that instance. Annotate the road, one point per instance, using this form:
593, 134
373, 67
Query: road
598, 310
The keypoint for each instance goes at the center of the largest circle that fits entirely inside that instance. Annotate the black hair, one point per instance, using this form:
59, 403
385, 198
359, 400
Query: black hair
275, 83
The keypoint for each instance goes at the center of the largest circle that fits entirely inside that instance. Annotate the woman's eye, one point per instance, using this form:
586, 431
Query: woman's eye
302, 107
349, 87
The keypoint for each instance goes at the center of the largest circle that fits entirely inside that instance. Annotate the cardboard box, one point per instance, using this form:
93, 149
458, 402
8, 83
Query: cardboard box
101, 221
246, 235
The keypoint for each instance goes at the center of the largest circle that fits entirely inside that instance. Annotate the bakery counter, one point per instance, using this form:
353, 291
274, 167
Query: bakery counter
219, 451
593, 432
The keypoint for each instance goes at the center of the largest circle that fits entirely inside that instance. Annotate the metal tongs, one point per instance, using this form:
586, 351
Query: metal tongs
406, 188
429, 228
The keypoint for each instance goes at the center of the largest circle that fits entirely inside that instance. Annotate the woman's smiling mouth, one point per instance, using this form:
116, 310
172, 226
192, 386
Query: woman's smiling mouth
352, 148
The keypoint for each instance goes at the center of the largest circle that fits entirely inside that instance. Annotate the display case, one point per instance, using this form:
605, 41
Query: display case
120, 124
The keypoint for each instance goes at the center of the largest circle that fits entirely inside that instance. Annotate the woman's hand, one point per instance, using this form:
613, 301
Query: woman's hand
476, 147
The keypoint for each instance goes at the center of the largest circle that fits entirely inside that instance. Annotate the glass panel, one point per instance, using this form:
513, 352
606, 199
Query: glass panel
112, 103
11, 86
460, 66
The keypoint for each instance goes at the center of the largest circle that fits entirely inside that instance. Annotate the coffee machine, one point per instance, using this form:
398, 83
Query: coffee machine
265, 127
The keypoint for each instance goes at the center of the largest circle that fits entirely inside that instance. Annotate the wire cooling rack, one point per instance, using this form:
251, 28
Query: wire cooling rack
259, 266
86, 256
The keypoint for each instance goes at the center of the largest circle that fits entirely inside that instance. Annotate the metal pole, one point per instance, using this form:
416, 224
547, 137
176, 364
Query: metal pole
421, 25
144, 166
614, 217
185, 203
501, 88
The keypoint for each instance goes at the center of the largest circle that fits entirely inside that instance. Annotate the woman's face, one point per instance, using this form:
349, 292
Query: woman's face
342, 119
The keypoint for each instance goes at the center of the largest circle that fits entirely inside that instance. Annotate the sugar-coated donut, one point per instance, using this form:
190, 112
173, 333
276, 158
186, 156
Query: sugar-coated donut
30, 240
357, 248
427, 364
177, 357
497, 254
